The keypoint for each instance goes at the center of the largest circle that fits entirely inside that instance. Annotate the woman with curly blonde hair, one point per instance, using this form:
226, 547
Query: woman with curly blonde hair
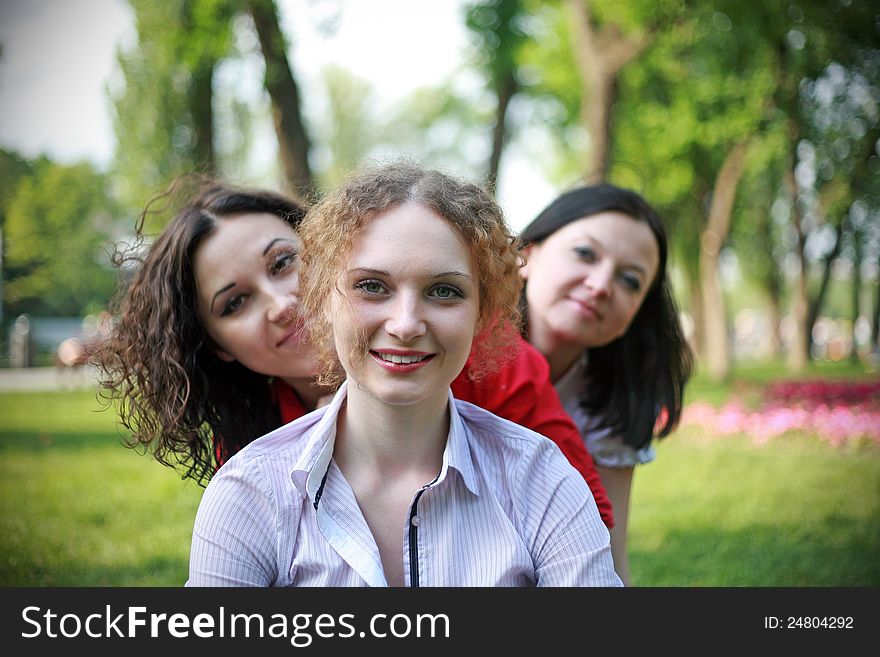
475, 216
395, 482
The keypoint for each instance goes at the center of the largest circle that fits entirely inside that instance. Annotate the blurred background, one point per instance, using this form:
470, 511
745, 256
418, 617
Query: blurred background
753, 127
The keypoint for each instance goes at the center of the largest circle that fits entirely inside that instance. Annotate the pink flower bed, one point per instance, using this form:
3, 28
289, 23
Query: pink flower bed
836, 411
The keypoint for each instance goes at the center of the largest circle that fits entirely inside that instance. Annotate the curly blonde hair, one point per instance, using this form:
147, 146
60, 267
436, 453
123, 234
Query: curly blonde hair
331, 226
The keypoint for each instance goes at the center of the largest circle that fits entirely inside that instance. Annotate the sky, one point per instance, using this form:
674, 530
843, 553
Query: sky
59, 57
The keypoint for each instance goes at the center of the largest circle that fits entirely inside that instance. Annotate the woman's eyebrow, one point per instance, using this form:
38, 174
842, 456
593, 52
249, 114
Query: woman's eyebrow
382, 272
368, 270
273, 242
444, 274
219, 292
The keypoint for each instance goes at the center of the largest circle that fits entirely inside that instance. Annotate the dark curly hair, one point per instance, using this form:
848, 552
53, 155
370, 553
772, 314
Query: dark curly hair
158, 367
635, 384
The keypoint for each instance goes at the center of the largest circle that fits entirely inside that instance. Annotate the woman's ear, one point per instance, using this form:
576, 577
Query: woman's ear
526, 254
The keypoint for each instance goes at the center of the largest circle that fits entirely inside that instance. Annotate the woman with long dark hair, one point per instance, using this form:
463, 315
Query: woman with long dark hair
598, 305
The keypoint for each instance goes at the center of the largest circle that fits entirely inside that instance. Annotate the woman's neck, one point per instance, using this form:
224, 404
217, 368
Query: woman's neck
308, 393
560, 354
391, 439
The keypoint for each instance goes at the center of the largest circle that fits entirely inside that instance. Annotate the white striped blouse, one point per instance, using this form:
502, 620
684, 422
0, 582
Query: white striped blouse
506, 509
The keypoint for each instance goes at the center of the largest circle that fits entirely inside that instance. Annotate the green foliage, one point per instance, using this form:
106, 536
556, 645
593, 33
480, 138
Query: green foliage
440, 126
347, 132
549, 78
701, 88
12, 169
163, 114
498, 26
552, 80
58, 224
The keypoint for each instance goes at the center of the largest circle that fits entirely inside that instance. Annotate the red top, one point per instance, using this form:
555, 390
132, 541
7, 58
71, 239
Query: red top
520, 392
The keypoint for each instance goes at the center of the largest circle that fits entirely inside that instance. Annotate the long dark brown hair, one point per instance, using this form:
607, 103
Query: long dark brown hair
635, 384
158, 367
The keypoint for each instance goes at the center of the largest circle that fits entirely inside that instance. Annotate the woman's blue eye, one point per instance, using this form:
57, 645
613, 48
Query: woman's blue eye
232, 305
631, 282
585, 253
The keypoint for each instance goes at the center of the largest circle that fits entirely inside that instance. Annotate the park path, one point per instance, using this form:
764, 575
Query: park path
33, 379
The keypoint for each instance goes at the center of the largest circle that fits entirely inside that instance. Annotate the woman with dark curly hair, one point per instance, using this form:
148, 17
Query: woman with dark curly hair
207, 353
198, 372
406, 274
600, 309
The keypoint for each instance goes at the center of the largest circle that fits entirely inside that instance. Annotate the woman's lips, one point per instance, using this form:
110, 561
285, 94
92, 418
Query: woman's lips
295, 334
399, 361
586, 308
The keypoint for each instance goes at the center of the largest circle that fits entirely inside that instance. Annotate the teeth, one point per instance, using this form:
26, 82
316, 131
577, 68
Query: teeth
394, 358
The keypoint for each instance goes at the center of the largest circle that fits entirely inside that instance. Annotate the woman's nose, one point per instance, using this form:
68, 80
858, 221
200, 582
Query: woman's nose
282, 306
405, 321
599, 279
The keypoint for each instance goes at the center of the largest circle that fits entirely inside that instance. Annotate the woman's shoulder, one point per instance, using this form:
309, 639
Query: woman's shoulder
495, 434
519, 464
280, 447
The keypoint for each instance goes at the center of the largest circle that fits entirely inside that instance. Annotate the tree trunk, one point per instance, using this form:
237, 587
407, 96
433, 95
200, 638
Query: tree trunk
815, 306
856, 291
775, 321
875, 320
600, 55
203, 118
771, 280
698, 340
293, 140
717, 348
596, 115
798, 354
506, 91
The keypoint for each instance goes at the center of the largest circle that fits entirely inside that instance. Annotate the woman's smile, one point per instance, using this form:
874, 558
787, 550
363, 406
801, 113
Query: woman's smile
400, 361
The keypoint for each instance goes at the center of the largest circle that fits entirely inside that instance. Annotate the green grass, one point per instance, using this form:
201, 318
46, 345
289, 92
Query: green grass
726, 512
79, 509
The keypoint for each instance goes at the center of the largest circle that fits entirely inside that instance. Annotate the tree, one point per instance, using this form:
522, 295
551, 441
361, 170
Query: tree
756, 237
606, 37
693, 113
349, 131
164, 114
498, 27
817, 43
13, 169
58, 224
293, 138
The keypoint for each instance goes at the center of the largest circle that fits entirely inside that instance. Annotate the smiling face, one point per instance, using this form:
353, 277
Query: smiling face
586, 282
406, 308
247, 277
